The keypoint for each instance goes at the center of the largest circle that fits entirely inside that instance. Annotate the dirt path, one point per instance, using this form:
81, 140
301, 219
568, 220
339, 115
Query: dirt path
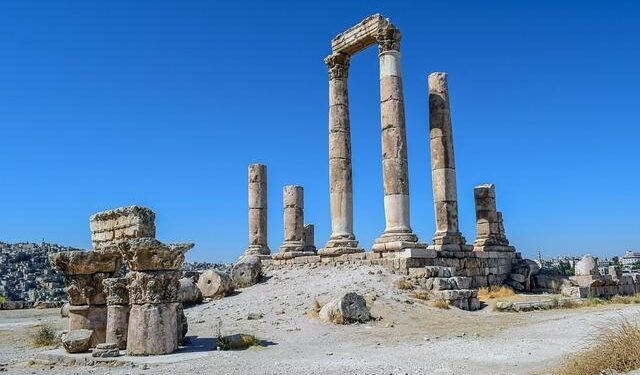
410, 338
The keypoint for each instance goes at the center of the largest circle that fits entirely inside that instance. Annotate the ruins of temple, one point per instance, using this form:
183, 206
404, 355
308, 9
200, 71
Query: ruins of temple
139, 311
488, 261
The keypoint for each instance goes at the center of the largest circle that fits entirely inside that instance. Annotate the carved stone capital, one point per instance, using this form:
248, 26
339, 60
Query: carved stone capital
86, 289
116, 290
338, 64
388, 39
153, 287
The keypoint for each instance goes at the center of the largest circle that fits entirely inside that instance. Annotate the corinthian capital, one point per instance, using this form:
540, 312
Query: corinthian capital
388, 39
338, 64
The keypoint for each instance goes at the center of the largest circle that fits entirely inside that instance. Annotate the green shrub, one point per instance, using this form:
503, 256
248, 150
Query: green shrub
45, 335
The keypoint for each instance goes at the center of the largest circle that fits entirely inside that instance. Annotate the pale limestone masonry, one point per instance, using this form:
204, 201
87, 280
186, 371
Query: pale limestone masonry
309, 238
84, 272
109, 227
490, 229
443, 167
257, 186
154, 318
117, 311
397, 235
293, 246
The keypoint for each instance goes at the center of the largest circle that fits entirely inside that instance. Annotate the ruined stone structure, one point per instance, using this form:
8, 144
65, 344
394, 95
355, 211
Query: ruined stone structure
84, 272
309, 238
117, 311
110, 227
153, 294
398, 234
494, 262
443, 167
258, 211
294, 231
490, 234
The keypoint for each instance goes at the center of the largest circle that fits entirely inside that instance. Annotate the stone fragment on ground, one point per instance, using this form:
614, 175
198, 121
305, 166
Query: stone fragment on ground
77, 341
349, 308
215, 284
247, 272
189, 293
106, 350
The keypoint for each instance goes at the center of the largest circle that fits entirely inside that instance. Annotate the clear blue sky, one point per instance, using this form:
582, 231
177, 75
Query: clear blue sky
165, 103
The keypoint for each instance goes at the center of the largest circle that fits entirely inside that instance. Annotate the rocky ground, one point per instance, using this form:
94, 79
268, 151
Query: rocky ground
409, 337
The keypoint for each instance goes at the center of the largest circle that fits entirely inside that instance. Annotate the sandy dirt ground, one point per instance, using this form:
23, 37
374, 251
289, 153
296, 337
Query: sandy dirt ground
409, 336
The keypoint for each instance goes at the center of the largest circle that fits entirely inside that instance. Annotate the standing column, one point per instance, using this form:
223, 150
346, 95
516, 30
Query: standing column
309, 238
395, 170
117, 311
293, 246
258, 211
342, 240
490, 234
443, 167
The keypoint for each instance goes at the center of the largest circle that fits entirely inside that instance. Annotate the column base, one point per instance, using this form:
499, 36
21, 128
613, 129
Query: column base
337, 246
292, 249
261, 251
397, 241
449, 238
453, 248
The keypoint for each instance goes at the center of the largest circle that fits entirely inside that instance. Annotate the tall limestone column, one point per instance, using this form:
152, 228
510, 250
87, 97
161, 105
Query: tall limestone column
117, 311
258, 211
395, 169
342, 240
293, 246
443, 167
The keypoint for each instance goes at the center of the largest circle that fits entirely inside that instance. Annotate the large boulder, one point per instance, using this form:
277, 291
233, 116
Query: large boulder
77, 341
189, 293
347, 309
247, 272
215, 284
587, 266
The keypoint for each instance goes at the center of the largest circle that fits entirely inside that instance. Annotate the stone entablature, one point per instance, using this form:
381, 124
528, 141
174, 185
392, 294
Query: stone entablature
360, 36
110, 227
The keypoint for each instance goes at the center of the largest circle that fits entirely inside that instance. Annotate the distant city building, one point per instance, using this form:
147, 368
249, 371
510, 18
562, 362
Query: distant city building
630, 258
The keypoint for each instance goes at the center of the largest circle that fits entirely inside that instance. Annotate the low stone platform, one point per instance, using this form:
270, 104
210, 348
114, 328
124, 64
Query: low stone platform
200, 348
484, 268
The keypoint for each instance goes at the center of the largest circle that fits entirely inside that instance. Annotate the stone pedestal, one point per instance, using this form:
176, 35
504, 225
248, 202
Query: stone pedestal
117, 311
397, 235
153, 294
293, 246
490, 229
443, 168
342, 240
258, 211
84, 272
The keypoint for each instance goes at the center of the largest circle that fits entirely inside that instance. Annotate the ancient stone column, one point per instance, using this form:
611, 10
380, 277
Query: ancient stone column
258, 211
489, 226
443, 167
117, 311
155, 315
309, 238
395, 169
293, 246
342, 240
84, 272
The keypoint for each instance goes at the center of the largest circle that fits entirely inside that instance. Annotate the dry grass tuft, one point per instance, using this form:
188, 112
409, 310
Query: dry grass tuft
404, 284
613, 348
441, 304
45, 335
420, 294
495, 291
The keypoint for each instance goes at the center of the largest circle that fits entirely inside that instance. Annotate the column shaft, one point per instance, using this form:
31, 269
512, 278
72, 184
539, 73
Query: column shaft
395, 168
257, 187
293, 246
342, 239
443, 170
